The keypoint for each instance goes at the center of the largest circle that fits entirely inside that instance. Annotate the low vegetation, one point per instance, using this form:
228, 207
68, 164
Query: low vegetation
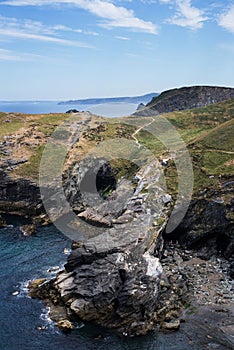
207, 133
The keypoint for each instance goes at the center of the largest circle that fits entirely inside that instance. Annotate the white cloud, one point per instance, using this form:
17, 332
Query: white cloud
188, 15
112, 15
8, 55
124, 38
33, 30
226, 20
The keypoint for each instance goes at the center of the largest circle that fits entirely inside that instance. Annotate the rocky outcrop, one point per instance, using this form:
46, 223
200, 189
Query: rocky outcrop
140, 106
113, 278
186, 98
28, 230
208, 225
19, 196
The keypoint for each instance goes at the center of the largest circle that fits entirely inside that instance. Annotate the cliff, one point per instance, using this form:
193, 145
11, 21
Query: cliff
187, 98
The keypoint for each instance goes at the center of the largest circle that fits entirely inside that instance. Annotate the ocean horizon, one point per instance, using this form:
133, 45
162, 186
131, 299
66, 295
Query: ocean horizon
109, 110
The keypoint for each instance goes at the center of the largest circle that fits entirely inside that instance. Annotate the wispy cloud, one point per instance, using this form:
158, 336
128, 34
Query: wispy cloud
124, 38
112, 15
188, 15
226, 19
8, 55
34, 30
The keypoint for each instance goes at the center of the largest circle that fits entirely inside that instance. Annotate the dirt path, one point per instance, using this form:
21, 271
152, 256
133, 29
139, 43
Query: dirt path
219, 151
139, 129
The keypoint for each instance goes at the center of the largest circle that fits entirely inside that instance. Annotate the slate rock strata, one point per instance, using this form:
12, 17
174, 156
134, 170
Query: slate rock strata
19, 196
113, 278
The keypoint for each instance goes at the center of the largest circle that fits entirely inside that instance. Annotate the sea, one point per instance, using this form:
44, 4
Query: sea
25, 258
39, 107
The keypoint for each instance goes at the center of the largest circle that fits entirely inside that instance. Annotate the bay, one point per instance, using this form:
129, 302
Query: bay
41, 107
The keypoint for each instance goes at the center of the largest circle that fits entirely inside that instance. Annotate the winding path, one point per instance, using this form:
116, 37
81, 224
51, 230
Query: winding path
139, 129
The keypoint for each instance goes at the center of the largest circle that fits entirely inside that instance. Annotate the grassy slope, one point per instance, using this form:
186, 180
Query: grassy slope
10, 124
208, 133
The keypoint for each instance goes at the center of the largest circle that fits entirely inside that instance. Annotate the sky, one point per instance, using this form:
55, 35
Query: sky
72, 49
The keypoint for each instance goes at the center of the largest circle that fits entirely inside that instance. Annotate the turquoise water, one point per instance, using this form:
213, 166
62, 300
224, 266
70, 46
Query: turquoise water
40, 107
24, 258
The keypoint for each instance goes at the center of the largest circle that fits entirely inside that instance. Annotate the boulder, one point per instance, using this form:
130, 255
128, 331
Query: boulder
28, 230
34, 285
171, 326
65, 326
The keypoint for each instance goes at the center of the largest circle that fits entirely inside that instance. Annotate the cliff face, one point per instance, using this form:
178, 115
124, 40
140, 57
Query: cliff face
208, 225
187, 98
19, 196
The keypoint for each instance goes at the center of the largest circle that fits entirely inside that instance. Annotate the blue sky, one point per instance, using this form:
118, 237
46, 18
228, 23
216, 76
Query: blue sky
65, 49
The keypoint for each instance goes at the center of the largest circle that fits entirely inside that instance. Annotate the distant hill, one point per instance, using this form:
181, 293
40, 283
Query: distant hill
187, 98
94, 101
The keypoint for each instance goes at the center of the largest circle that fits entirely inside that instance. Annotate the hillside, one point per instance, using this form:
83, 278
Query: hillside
208, 134
187, 98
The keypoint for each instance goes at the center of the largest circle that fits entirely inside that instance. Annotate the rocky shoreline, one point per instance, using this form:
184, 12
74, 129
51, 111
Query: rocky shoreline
196, 298
192, 275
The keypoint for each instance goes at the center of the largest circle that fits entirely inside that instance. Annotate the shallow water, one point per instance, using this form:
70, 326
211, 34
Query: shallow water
25, 258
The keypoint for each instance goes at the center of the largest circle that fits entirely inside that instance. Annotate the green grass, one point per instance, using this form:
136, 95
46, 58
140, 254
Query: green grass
220, 138
9, 125
208, 133
31, 168
48, 123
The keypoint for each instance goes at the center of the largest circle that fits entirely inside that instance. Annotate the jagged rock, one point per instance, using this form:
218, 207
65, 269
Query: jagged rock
171, 326
19, 196
28, 230
140, 106
206, 227
167, 199
113, 278
65, 326
91, 216
34, 285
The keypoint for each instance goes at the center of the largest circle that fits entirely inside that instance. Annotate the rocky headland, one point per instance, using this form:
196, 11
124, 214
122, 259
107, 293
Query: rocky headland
128, 273
186, 98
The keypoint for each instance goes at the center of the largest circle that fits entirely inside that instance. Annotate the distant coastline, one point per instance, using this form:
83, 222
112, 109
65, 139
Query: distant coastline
108, 110
94, 101
106, 107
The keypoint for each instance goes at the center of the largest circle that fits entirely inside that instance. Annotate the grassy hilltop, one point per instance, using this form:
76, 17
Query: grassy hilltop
207, 132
